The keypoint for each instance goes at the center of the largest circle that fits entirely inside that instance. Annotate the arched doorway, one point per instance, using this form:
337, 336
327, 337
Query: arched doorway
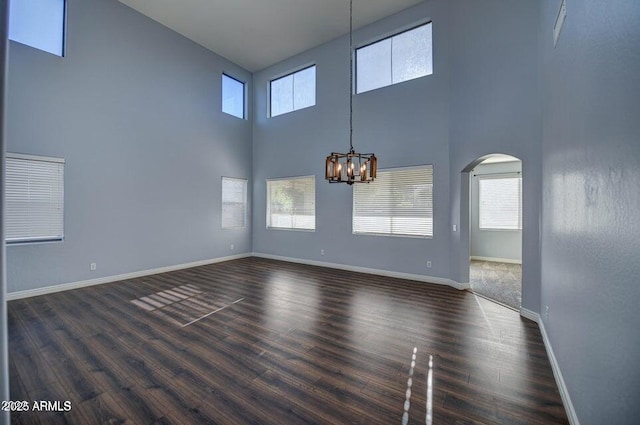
495, 228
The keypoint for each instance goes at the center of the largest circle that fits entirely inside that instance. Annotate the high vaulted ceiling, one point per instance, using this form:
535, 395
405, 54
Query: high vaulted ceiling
257, 33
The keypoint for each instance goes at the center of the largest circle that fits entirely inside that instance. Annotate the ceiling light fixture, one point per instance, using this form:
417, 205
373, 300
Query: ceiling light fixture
351, 167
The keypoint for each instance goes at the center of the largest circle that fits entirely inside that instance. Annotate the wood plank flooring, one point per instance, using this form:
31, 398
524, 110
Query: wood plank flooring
287, 344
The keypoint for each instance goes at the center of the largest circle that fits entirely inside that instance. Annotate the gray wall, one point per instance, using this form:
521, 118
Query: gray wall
135, 109
4, 340
500, 244
495, 108
405, 124
591, 204
482, 99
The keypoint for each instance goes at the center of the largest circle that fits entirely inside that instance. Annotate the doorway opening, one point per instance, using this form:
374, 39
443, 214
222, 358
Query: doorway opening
495, 229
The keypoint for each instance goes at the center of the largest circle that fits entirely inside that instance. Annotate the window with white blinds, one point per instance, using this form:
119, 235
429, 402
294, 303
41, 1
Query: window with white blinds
34, 198
399, 203
500, 202
291, 203
234, 203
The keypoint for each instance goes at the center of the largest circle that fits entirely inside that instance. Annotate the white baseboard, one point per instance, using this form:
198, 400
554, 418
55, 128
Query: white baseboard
108, 279
496, 259
557, 374
531, 315
379, 272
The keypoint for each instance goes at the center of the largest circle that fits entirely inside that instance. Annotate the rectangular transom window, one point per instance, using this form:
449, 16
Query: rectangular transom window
500, 203
39, 24
34, 198
291, 203
395, 59
234, 203
232, 96
398, 203
294, 91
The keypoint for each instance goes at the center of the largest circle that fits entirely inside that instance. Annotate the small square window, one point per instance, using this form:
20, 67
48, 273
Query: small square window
291, 203
500, 202
232, 96
395, 59
294, 91
234, 203
39, 24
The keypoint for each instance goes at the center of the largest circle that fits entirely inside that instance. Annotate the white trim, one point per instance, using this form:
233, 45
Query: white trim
35, 157
379, 272
496, 259
555, 367
531, 315
108, 279
408, 167
526, 313
562, 387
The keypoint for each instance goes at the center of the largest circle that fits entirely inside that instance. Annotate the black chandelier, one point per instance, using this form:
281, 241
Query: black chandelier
351, 167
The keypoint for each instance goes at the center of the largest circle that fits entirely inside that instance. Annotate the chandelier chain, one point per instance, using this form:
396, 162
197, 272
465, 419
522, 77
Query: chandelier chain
351, 167
351, 74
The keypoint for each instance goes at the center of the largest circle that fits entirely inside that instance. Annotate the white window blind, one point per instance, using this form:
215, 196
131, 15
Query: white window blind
500, 202
291, 203
34, 198
234, 203
399, 202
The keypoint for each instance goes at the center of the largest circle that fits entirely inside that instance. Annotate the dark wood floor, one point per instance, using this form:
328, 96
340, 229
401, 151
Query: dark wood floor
287, 344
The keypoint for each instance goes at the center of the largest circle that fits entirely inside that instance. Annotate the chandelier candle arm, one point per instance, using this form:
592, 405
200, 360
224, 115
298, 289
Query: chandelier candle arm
351, 167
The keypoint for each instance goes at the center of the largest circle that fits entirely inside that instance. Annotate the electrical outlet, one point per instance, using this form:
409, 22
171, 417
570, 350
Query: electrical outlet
455, 227
93, 267
428, 264
231, 247
322, 252
546, 312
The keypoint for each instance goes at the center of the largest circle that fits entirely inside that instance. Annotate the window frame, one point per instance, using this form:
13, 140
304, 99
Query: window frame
268, 206
24, 240
63, 47
381, 39
396, 235
245, 203
501, 176
279, 77
244, 96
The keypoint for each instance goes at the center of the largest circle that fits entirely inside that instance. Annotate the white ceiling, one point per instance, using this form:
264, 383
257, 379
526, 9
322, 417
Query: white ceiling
257, 33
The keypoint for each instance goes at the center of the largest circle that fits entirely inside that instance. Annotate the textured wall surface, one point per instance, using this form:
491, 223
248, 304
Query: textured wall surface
135, 109
483, 90
487, 242
591, 204
405, 124
495, 108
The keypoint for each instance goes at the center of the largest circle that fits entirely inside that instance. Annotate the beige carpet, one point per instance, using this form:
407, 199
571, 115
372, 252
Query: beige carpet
501, 282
